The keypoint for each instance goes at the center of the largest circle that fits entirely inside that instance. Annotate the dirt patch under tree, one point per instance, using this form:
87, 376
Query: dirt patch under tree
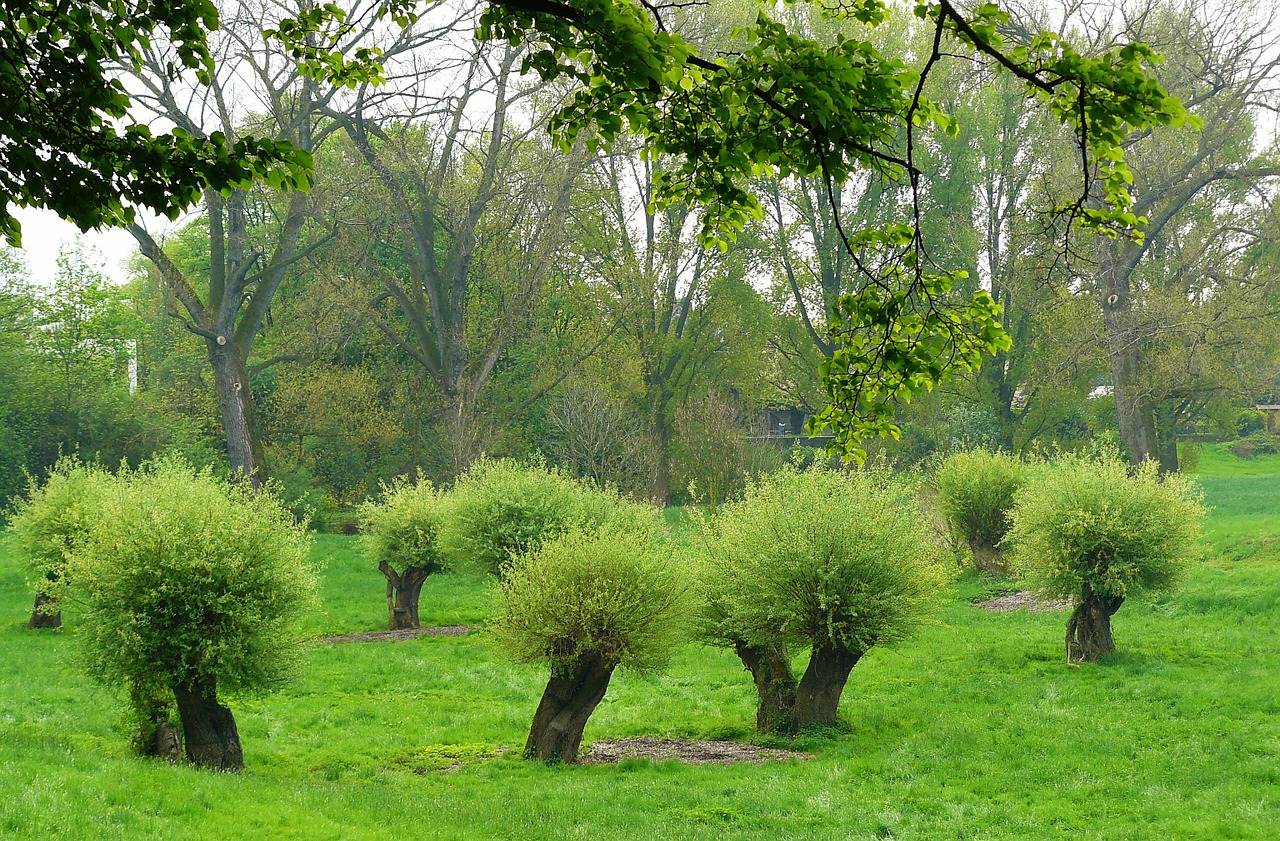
405, 634
690, 752
1023, 601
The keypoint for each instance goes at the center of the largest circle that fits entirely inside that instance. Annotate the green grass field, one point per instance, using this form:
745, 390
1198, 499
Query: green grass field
975, 730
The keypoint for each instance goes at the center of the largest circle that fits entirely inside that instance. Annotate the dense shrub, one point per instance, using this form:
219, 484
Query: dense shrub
402, 535
598, 437
500, 509
709, 458
197, 585
51, 521
975, 494
1098, 531
1255, 444
584, 604
833, 561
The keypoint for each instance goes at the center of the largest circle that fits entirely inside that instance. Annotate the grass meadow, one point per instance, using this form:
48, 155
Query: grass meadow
977, 729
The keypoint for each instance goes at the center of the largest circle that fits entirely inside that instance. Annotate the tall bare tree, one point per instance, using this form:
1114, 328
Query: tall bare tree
256, 236
473, 199
1224, 63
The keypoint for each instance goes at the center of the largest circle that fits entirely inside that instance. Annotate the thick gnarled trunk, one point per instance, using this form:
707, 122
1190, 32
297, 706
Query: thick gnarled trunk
818, 695
42, 616
403, 592
1089, 628
987, 558
208, 729
770, 668
567, 703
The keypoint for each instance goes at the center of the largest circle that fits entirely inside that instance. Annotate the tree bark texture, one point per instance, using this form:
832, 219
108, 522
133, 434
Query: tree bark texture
987, 558
770, 668
236, 409
208, 729
567, 703
1135, 410
403, 591
40, 618
1169, 454
818, 695
1089, 628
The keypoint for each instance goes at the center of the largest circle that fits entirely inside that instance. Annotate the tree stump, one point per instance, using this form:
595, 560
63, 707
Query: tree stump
404, 589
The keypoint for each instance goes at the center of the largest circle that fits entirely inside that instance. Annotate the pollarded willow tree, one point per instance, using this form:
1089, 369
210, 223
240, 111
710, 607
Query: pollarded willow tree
834, 562
1098, 532
584, 604
193, 586
402, 532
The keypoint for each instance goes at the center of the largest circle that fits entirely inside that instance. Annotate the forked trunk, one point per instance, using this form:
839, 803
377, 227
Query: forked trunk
403, 592
818, 695
41, 617
208, 729
1089, 628
770, 668
566, 705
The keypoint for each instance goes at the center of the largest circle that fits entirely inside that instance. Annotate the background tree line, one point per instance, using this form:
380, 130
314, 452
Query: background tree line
455, 285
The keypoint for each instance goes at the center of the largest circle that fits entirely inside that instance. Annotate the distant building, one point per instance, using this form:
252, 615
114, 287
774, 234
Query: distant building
1270, 416
785, 426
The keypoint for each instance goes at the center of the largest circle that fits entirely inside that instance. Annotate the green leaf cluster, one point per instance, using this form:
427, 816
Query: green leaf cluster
609, 593
976, 494
403, 526
820, 558
500, 509
894, 342
69, 144
192, 580
1098, 523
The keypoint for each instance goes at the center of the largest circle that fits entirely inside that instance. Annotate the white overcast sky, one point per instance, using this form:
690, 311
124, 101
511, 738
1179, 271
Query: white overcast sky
44, 233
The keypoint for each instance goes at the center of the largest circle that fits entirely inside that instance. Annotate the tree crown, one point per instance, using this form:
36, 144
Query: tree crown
1097, 522
500, 509
975, 493
193, 580
820, 558
403, 526
53, 519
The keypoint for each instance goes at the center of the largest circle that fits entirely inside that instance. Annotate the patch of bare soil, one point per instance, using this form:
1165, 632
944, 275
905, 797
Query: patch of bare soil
1023, 601
406, 634
691, 752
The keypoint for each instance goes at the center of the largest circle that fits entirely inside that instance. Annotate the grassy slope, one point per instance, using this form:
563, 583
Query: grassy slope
976, 730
